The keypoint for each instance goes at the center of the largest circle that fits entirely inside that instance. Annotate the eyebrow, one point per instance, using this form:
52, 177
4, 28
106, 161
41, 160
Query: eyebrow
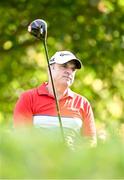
66, 65
71, 63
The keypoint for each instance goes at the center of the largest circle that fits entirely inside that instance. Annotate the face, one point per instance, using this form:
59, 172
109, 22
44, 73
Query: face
63, 74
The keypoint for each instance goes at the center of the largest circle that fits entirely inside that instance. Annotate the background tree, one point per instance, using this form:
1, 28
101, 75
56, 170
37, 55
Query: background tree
92, 29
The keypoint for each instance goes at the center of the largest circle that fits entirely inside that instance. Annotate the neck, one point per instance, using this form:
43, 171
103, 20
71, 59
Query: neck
60, 91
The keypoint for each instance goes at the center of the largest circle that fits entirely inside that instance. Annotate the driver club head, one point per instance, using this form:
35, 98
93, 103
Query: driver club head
38, 28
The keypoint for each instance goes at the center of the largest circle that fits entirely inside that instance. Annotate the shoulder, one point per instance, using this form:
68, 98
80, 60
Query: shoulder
79, 96
82, 101
35, 92
29, 92
28, 95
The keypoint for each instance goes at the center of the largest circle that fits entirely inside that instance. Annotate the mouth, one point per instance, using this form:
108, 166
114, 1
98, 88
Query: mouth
67, 77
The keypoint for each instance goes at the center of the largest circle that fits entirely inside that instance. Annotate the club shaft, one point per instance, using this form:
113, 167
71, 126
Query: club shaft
54, 90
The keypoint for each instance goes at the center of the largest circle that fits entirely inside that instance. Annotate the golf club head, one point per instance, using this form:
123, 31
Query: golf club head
38, 28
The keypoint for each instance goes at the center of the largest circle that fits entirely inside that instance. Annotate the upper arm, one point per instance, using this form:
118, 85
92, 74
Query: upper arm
89, 128
23, 111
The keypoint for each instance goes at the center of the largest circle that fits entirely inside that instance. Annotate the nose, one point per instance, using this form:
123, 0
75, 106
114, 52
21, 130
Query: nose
69, 70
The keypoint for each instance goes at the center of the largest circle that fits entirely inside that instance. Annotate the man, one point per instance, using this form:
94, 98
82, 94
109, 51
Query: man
37, 106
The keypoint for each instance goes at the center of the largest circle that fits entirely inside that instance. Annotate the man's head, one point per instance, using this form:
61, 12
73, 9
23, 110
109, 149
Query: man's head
63, 66
62, 57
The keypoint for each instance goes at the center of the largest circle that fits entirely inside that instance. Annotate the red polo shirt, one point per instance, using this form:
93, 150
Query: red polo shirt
37, 104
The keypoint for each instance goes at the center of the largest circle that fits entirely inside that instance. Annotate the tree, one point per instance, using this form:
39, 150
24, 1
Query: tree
92, 29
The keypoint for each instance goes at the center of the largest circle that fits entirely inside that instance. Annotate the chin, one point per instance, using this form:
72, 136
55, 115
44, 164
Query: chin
67, 83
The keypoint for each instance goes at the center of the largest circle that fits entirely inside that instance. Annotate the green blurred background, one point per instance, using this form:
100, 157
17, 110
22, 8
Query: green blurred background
94, 31
91, 29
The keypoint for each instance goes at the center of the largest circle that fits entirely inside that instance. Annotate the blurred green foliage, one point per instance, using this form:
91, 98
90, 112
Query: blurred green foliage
92, 29
34, 154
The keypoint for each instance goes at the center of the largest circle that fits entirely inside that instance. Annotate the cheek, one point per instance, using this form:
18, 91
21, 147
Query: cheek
56, 74
72, 80
73, 75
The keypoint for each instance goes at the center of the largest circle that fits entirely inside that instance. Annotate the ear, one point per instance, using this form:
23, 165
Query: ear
52, 66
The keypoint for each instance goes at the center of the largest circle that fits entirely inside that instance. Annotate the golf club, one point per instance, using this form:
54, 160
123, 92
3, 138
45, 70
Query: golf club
38, 28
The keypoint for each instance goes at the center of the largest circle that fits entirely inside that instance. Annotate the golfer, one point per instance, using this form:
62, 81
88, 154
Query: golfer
37, 106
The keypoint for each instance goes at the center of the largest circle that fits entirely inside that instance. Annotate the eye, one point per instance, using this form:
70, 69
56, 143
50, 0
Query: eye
73, 69
64, 65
